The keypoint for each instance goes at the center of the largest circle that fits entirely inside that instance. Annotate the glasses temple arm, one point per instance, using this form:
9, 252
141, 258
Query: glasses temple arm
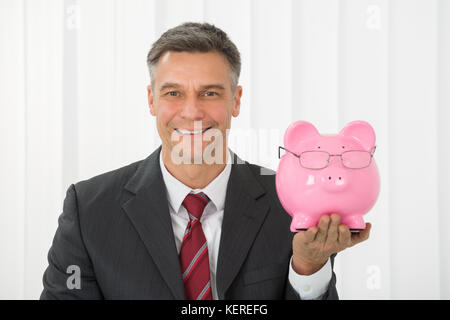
280, 147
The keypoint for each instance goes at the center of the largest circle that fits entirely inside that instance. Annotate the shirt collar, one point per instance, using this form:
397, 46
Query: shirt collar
215, 190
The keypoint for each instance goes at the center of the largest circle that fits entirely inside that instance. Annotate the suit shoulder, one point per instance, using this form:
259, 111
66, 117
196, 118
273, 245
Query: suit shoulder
265, 176
109, 182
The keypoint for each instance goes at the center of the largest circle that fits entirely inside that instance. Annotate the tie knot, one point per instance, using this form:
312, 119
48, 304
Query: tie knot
195, 204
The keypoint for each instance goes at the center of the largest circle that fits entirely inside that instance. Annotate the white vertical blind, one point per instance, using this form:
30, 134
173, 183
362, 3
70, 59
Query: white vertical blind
443, 144
363, 85
13, 149
73, 105
413, 50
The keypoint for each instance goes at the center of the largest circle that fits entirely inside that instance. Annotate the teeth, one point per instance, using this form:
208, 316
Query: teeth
183, 131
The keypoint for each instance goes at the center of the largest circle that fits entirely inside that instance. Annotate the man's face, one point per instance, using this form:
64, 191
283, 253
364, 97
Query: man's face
192, 88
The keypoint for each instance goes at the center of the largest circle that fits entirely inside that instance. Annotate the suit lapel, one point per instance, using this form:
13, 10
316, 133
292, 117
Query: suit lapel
243, 217
149, 212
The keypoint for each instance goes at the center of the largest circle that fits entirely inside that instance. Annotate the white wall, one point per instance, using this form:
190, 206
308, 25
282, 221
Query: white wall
73, 104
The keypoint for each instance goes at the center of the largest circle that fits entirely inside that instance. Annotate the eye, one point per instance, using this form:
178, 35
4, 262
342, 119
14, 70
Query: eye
318, 147
173, 93
343, 147
210, 94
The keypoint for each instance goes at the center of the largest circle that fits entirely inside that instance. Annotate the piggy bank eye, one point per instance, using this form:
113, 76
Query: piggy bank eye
318, 147
343, 147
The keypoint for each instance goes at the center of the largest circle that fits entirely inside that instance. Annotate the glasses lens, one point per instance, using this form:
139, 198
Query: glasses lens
314, 159
356, 159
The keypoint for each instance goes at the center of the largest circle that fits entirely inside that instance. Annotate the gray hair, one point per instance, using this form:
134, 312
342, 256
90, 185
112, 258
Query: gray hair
196, 37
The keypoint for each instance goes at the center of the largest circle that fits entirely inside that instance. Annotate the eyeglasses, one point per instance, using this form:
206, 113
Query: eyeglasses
315, 160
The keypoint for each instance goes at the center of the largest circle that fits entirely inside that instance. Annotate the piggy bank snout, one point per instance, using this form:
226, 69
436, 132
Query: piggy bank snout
334, 180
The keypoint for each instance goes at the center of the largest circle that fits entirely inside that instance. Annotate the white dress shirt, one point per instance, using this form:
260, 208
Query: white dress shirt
308, 287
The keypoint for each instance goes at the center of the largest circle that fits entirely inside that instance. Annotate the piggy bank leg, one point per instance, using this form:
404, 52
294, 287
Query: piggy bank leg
301, 222
354, 223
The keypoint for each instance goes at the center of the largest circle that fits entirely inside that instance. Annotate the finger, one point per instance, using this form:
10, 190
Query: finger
323, 225
332, 236
362, 235
304, 237
310, 234
344, 236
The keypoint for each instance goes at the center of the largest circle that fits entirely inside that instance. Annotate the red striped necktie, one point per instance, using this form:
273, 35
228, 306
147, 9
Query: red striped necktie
194, 257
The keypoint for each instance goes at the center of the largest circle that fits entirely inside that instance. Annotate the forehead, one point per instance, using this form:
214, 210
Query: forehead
189, 67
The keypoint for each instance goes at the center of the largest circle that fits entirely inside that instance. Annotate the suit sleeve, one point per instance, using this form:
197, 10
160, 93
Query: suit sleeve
330, 294
70, 273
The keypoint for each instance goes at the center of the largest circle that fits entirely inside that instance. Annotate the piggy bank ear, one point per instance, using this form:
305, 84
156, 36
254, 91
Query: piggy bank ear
361, 131
298, 131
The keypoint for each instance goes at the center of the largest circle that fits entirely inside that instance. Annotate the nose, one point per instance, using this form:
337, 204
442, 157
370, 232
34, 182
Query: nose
334, 180
191, 109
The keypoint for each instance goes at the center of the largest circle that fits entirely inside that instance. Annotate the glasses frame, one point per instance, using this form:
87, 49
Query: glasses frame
329, 157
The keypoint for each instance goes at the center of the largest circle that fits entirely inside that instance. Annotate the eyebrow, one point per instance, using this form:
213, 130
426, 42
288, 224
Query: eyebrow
172, 85
213, 86
169, 85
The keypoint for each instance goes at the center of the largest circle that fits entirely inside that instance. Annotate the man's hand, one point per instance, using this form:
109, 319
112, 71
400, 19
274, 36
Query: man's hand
313, 247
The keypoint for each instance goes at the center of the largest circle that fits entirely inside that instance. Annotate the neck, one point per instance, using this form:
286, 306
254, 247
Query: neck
195, 176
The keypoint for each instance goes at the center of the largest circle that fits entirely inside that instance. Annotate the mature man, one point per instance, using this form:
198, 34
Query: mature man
191, 221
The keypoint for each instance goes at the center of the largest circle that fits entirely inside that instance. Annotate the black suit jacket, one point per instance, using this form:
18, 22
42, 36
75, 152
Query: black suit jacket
116, 230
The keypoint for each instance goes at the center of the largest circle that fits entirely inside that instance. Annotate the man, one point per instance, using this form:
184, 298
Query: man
192, 221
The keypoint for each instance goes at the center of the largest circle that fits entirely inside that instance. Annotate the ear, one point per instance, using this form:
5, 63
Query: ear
361, 131
237, 102
297, 131
150, 100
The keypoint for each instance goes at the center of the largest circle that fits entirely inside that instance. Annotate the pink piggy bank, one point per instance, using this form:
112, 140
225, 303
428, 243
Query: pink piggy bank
325, 174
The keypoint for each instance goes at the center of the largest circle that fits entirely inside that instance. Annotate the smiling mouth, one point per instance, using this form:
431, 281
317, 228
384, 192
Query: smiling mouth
189, 132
